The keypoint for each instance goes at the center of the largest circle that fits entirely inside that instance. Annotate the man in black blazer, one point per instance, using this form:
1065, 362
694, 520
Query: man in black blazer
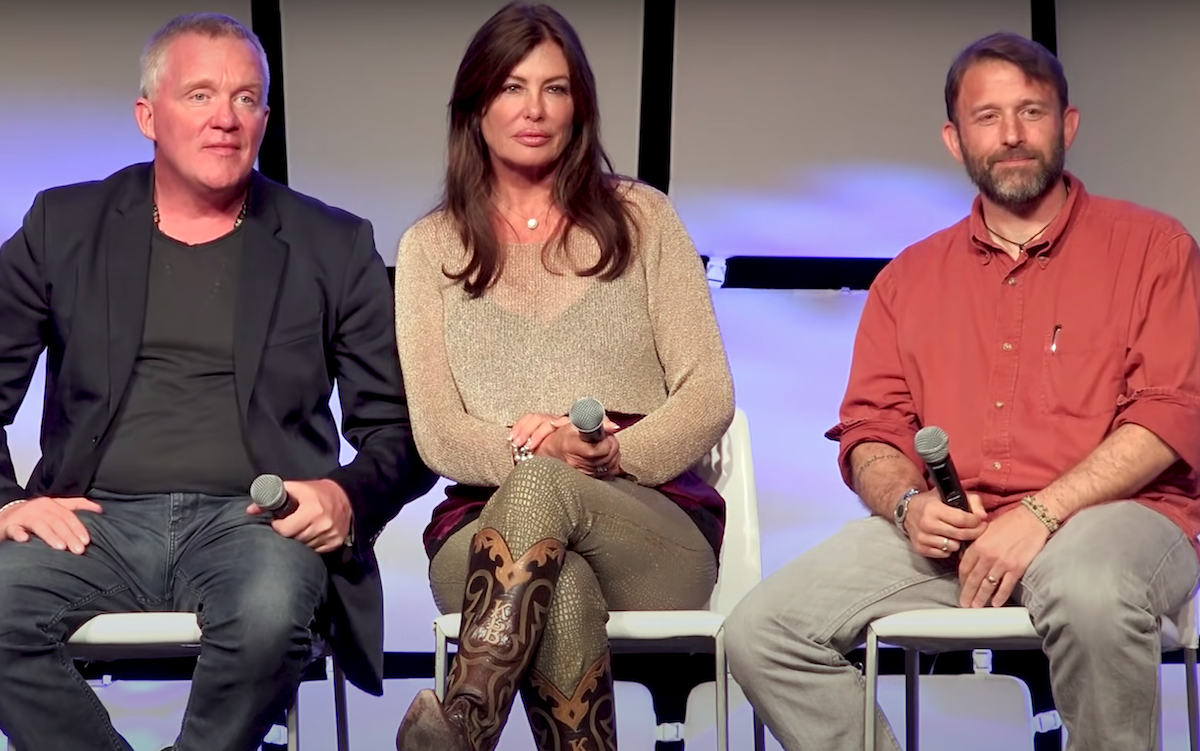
195, 317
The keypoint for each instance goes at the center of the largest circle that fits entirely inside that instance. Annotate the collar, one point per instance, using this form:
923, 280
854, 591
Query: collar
1051, 238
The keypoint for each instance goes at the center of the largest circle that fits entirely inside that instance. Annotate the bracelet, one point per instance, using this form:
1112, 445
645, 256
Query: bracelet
13, 503
521, 454
1043, 516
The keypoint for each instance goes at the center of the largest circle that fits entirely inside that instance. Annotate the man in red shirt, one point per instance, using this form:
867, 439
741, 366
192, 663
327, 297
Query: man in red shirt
1055, 336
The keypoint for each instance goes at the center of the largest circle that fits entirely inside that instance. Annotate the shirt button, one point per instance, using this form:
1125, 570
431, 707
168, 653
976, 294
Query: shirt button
995, 465
1006, 347
1012, 281
999, 405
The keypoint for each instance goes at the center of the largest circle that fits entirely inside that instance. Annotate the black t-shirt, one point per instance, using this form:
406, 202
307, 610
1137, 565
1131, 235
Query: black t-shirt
178, 429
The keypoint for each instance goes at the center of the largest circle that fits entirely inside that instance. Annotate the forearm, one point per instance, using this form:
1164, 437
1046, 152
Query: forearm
1129, 459
463, 448
673, 437
386, 474
881, 474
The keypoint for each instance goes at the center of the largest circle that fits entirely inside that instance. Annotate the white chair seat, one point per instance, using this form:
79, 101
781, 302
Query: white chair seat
998, 628
664, 624
135, 628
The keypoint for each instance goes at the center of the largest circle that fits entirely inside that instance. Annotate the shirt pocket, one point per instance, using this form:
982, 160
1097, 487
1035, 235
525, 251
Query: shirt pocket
1082, 371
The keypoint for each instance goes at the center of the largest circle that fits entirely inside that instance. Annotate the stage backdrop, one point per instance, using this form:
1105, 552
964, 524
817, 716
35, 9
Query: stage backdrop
814, 128
368, 84
802, 129
70, 77
1134, 70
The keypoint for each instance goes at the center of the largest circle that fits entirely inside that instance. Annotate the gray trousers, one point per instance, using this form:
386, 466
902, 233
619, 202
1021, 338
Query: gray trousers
1095, 593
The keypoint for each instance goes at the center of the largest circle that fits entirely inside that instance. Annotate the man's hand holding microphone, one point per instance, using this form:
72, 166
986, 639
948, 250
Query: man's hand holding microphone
941, 521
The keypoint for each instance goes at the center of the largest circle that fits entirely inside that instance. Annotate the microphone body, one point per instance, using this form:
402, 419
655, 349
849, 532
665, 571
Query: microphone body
587, 415
933, 446
268, 494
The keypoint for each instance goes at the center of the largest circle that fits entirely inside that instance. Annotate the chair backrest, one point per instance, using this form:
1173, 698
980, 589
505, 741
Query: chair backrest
730, 469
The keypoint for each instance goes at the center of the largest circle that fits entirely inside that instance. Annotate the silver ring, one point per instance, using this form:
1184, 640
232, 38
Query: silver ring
992, 580
601, 469
945, 544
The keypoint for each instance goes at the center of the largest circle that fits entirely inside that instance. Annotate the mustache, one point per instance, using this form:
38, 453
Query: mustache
1013, 154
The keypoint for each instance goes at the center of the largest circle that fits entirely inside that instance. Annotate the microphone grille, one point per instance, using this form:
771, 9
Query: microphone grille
267, 490
587, 414
932, 444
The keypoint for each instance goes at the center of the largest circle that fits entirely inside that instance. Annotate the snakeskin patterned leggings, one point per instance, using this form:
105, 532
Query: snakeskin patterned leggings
628, 548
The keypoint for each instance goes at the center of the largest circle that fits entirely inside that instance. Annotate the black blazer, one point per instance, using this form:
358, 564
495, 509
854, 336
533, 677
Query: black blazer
313, 305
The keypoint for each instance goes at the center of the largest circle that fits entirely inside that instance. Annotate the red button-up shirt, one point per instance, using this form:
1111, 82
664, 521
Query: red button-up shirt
1028, 364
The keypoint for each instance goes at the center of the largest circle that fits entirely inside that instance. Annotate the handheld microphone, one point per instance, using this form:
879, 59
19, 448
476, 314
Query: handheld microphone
933, 446
268, 494
587, 415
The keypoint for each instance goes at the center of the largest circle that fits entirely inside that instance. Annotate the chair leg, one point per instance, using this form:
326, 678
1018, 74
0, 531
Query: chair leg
440, 658
1193, 698
872, 681
293, 723
912, 699
722, 692
760, 734
340, 710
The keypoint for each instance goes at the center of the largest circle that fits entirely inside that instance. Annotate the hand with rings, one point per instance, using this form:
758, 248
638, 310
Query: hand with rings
991, 568
600, 459
940, 531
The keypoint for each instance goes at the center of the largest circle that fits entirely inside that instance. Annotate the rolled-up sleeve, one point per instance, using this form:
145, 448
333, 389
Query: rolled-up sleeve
878, 406
1162, 372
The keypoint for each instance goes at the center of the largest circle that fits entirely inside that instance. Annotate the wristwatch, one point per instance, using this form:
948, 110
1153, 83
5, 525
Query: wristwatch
901, 511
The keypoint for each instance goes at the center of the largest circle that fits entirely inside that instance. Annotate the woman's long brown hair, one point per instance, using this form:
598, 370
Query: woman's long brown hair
586, 189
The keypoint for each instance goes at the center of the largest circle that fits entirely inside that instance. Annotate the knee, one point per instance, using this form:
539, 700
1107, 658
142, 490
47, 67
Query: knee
27, 597
1094, 616
535, 484
270, 617
538, 499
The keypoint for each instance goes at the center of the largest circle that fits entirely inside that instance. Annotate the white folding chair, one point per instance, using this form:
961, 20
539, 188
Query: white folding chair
135, 636
730, 469
947, 629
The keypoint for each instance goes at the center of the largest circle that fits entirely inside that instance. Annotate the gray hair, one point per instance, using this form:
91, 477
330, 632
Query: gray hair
211, 25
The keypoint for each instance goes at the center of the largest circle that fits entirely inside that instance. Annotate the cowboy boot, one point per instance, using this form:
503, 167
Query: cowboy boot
584, 721
504, 614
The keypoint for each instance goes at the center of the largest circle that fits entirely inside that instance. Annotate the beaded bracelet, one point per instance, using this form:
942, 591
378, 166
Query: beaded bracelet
1041, 513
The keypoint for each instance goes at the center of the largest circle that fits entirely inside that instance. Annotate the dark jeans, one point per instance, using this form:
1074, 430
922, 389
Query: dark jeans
255, 594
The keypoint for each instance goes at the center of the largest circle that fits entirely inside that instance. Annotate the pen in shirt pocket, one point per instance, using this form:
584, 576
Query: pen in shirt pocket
1054, 338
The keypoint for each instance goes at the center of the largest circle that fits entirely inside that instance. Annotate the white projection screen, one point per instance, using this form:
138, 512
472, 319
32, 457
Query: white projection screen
1134, 70
367, 85
813, 128
69, 80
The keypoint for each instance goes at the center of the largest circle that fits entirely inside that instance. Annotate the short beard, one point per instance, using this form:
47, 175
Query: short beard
1017, 194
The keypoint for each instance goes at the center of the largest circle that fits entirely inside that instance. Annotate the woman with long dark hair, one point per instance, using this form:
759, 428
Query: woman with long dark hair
544, 277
